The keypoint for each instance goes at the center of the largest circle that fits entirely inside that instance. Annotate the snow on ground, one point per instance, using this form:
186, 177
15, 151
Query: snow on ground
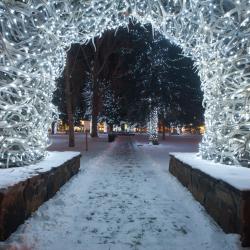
124, 198
173, 143
236, 176
11, 176
60, 143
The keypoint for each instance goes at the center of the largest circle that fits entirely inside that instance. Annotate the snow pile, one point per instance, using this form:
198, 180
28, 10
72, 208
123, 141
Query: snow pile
11, 176
236, 176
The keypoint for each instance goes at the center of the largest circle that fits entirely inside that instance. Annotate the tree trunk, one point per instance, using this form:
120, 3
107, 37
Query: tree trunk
69, 108
111, 127
95, 106
101, 57
163, 131
53, 128
94, 124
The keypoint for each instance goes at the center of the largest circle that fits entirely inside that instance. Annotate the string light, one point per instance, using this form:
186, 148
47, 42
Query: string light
35, 35
152, 126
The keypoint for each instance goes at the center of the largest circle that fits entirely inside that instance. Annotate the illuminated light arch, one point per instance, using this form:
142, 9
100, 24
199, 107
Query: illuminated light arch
35, 35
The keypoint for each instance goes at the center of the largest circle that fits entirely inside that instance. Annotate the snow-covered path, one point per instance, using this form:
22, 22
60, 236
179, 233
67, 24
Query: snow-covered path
122, 199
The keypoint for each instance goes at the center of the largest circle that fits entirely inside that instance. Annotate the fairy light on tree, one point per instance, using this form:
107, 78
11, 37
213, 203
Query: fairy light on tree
35, 35
152, 126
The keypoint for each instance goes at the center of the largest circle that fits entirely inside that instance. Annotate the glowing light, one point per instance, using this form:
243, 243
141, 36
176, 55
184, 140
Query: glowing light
152, 126
36, 34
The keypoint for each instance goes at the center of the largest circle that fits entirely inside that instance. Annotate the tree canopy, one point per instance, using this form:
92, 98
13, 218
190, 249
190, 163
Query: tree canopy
132, 71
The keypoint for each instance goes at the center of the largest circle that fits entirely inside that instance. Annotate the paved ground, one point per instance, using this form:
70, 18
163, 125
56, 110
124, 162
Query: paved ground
124, 198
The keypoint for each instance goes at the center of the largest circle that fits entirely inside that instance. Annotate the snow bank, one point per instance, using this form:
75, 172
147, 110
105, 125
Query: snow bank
236, 176
11, 176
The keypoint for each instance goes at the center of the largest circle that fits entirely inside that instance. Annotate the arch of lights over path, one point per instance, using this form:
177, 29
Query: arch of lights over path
35, 35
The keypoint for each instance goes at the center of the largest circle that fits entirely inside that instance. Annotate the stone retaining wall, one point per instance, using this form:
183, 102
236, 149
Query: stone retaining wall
229, 206
17, 202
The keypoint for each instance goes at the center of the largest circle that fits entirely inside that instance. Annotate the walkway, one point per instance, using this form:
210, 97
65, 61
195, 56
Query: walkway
123, 199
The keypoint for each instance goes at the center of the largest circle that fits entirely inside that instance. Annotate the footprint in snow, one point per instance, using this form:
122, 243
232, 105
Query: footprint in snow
180, 229
89, 218
95, 230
